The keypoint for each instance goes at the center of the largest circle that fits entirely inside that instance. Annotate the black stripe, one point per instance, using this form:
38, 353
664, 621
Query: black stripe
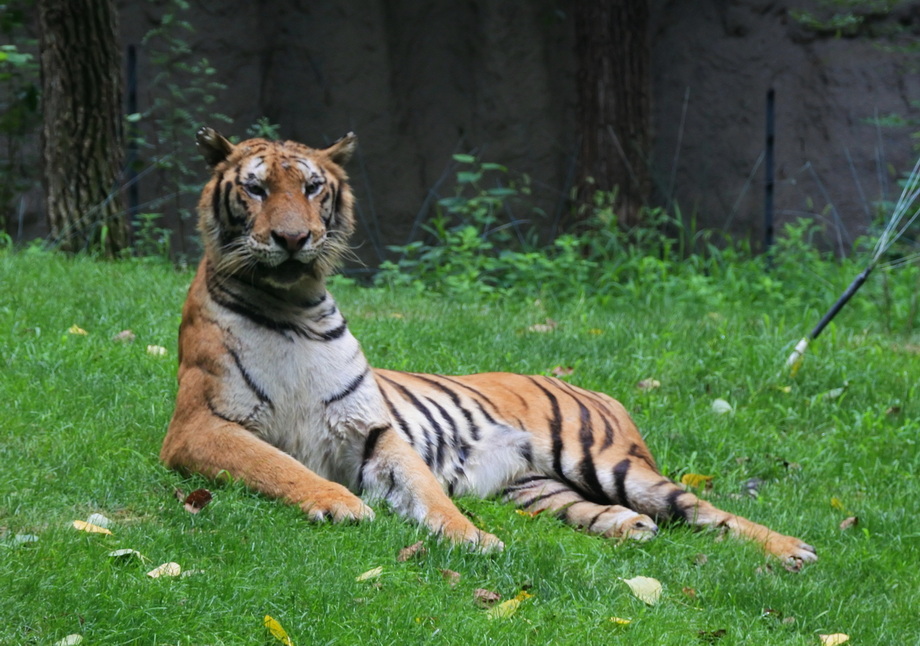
332, 335
543, 496
478, 394
555, 429
674, 509
596, 517
256, 389
370, 444
349, 389
232, 219
400, 420
218, 414
619, 481
455, 398
435, 427
524, 482
608, 434
586, 468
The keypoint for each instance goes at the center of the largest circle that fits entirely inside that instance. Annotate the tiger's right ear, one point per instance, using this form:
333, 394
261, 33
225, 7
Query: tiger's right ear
213, 146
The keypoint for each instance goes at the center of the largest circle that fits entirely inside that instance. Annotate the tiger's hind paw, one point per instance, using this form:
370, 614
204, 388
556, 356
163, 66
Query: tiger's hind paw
794, 554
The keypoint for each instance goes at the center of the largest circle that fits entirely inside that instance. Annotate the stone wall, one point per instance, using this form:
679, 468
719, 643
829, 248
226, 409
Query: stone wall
420, 81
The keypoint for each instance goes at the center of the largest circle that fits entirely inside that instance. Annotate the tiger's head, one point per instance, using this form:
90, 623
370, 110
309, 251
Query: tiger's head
275, 212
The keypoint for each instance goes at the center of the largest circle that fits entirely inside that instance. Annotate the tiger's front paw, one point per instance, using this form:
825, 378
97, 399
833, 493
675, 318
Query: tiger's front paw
461, 531
336, 504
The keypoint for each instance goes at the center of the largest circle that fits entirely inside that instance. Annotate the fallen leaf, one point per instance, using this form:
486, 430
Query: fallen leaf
689, 592
595, 331
752, 487
156, 350
416, 549
453, 578
277, 631
83, 526
70, 640
836, 504
548, 326
125, 336
834, 640
167, 569
76, 329
188, 573
848, 523
529, 514
695, 480
646, 589
485, 598
507, 608
619, 621
197, 500
126, 553
712, 636
648, 384
721, 407
99, 520
370, 575
562, 371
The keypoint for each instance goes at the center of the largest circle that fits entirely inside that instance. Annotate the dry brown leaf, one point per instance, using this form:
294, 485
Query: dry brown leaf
834, 640
453, 578
850, 522
712, 636
646, 589
529, 514
562, 371
485, 598
167, 569
406, 553
689, 592
197, 500
84, 526
648, 384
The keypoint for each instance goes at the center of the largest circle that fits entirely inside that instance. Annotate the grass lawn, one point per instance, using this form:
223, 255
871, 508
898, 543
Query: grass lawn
84, 417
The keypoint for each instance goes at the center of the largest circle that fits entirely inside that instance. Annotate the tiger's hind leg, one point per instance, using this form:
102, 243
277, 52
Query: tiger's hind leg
649, 492
536, 493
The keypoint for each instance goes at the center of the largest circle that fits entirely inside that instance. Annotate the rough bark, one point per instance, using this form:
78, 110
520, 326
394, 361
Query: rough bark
612, 50
82, 131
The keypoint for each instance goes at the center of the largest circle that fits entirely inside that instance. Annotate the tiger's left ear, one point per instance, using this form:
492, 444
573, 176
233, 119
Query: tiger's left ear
341, 151
213, 146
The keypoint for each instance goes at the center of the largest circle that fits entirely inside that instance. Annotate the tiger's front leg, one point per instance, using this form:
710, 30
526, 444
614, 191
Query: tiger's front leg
393, 471
202, 442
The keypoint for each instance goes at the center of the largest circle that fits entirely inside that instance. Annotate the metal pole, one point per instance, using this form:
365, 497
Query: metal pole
769, 175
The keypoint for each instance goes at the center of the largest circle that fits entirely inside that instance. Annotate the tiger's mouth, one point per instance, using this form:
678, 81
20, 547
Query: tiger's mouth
287, 272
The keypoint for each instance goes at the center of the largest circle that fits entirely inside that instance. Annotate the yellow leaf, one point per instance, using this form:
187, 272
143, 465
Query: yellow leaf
645, 589
648, 384
595, 331
507, 608
370, 575
277, 631
167, 569
836, 504
84, 526
76, 329
619, 621
695, 480
834, 640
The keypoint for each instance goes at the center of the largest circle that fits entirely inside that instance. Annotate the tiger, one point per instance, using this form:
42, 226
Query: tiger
275, 392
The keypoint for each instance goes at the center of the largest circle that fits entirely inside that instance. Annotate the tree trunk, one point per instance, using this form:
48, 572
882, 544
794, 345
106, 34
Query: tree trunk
612, 50
82, 128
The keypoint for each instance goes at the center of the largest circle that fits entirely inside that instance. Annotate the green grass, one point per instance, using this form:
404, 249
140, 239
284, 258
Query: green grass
84, 416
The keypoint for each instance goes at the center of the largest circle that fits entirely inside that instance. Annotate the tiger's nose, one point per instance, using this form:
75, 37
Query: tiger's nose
291, 242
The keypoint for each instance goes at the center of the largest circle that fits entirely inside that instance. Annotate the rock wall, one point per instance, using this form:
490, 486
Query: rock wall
420, 81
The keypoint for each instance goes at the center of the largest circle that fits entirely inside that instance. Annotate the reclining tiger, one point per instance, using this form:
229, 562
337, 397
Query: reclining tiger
275, 391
